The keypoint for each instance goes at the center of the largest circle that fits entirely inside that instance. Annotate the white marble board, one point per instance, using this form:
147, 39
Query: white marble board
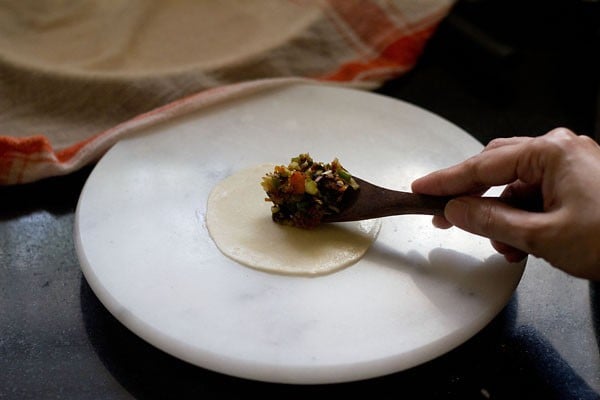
145, 251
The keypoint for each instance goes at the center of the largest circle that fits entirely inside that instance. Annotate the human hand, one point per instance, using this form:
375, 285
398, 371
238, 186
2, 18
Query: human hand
560, 170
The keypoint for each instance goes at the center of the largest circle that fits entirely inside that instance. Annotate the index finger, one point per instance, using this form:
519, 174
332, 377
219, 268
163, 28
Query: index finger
494, 167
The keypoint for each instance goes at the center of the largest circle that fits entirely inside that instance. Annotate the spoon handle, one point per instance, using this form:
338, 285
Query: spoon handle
411, 203
397, 203
372, 201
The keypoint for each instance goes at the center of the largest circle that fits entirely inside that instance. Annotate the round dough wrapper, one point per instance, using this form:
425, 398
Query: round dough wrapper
239, 221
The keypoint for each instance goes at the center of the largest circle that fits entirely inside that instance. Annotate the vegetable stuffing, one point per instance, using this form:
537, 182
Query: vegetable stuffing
305, 191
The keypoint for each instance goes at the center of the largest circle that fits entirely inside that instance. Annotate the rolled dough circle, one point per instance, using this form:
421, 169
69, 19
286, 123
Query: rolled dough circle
239, 222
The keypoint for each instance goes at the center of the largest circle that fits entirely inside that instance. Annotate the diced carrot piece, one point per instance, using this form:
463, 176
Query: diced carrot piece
297, 182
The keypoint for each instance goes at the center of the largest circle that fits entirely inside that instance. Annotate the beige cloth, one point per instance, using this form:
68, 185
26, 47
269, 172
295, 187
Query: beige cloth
84, 65
72, 69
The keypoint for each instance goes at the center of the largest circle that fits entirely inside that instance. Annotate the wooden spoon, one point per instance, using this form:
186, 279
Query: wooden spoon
371, 201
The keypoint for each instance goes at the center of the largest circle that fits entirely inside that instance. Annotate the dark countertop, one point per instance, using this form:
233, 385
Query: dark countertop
495, 68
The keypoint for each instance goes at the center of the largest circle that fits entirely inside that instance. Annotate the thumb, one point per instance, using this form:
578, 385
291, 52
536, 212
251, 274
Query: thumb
495, 220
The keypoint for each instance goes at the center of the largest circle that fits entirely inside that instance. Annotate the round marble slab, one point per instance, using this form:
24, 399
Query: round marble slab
418, 292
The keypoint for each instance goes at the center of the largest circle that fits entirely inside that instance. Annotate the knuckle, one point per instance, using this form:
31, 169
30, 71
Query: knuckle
472, 166
587, 141
562, 140
495, 143
486, 219
561, 134
553, 145
476, 167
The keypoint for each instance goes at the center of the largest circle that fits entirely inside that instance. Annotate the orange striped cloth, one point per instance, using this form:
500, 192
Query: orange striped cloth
358, 43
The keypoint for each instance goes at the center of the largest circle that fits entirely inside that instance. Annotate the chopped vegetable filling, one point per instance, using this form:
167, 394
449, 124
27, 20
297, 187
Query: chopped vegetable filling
306, 191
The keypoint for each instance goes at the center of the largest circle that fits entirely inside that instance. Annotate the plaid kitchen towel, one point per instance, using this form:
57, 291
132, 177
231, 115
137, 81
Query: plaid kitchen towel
76, 76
